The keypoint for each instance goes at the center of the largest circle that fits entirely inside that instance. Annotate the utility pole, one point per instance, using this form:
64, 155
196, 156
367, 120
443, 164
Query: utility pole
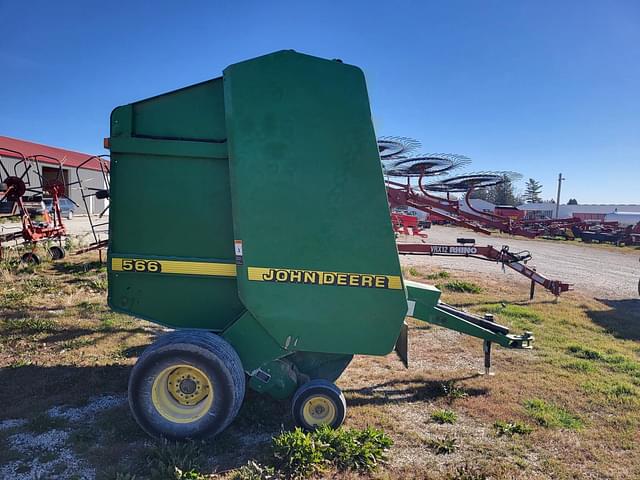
560, 179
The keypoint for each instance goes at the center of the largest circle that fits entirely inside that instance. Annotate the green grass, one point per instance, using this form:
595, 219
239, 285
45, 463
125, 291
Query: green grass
579, 365
444, 416
441, 275
461, 286
511, 428
27, 326
611, 359
513, 312
585, 353
550, 415
614, 392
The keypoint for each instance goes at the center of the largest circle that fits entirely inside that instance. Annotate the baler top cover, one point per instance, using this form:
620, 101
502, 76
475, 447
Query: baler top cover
279, 158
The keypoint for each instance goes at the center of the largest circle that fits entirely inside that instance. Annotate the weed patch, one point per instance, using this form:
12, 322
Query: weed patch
511, 428
444, 416
441, 275
461, 286
452, 391
443, 445
174, 460
299, 455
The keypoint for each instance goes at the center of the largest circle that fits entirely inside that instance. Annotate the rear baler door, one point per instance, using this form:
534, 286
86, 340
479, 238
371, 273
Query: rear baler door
317, 262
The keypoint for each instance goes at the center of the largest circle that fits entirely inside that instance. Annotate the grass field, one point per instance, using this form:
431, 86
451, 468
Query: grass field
567, 409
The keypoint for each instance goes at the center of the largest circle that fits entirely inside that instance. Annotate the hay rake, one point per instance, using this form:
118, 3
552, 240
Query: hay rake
99, 227
32, 233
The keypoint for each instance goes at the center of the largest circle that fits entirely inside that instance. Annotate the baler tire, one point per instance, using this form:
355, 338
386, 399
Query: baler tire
326, 393
208, 356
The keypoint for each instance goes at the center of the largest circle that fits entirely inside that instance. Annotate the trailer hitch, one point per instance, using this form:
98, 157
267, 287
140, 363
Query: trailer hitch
424, 304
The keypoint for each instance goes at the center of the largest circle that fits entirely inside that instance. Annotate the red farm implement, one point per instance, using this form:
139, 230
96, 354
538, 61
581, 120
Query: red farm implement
467, 248
99, 226
422, 196
404, 224
407, 186
25, 199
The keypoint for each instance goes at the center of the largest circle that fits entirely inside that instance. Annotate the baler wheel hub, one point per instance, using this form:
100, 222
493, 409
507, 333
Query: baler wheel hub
182, 393
188, 385
319, 410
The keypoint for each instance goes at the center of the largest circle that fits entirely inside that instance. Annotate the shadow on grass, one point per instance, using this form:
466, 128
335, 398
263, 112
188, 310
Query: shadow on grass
80, 268
104, 331
622, 319
35, 388
411, 390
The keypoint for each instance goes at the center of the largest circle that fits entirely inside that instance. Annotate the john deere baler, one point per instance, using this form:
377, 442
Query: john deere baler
249, 214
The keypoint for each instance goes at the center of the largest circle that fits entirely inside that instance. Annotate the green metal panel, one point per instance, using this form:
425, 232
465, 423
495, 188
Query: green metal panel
308, 194
170, 201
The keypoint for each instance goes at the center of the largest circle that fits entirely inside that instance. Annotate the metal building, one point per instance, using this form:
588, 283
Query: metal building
90, 173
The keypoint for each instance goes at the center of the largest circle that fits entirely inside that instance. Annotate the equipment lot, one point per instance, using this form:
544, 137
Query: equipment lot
604, 272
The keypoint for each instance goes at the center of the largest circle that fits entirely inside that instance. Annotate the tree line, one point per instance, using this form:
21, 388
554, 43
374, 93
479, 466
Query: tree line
506, 194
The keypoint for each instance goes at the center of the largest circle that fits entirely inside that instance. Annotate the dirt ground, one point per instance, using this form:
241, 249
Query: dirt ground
65, 359
608, 273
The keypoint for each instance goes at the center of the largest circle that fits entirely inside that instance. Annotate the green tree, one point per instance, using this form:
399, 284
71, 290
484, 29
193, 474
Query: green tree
503, 193
532, 191
572, 201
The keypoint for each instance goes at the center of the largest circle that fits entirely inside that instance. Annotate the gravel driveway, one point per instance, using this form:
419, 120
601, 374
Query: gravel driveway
600, 272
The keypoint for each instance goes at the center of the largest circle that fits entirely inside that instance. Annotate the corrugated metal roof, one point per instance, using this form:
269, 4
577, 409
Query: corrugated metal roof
67, 157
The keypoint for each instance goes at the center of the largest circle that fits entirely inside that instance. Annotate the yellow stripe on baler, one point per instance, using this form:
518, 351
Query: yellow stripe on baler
178, 267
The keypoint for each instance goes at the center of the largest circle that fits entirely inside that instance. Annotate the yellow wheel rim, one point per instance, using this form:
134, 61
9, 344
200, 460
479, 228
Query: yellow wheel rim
182, 393
319, 410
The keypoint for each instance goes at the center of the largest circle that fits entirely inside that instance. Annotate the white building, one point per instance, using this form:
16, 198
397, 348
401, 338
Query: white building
584, 212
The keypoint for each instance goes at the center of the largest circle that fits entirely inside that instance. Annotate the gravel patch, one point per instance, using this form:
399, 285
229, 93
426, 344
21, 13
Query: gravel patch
12, 423
97, 404
49, 458
48, 455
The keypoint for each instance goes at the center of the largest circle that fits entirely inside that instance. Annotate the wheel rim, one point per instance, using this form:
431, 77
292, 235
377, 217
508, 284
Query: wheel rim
182, 393
319, 410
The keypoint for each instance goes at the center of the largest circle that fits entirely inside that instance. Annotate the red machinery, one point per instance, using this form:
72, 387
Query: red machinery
396, 163
467, 248
14, 188
99, 229
404, 224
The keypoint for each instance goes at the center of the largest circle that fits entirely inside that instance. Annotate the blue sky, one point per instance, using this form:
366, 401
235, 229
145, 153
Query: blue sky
539, 87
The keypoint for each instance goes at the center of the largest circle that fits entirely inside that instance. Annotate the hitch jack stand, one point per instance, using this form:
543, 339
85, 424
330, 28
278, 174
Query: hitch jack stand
486, 347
